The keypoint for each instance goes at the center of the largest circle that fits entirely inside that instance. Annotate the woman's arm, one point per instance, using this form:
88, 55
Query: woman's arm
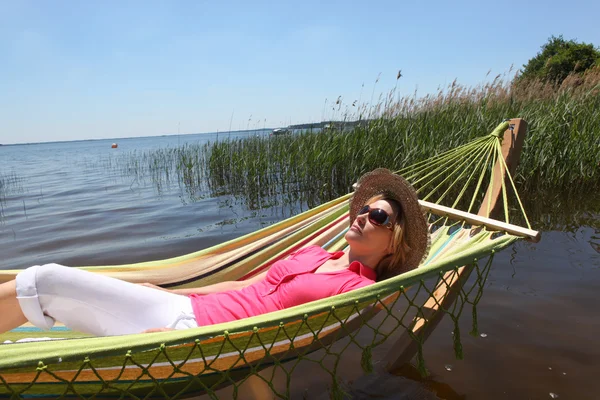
214, 288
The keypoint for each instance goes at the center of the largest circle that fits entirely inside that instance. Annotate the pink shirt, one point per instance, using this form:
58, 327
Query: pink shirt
288, 283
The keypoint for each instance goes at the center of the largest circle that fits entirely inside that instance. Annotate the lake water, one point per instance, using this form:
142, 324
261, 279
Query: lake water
68, 203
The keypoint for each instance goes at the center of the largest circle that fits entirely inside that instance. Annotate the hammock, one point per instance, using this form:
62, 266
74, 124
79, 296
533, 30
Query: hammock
407, 307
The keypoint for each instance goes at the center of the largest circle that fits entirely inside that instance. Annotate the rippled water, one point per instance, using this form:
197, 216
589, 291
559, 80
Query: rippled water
69, 203
538, 319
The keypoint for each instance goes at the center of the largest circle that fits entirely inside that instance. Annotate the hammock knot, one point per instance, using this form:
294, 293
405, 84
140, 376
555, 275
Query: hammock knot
337, 392
458, 350
475, 329
499, 131
366, 360
421, 361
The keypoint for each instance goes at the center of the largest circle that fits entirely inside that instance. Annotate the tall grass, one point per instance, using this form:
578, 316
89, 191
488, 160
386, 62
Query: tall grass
561, 152
10, 183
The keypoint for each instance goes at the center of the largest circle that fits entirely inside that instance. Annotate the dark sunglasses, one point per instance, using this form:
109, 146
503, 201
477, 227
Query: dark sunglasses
377, 216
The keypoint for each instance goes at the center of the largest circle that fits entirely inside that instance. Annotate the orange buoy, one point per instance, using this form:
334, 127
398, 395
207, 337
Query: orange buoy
114, 146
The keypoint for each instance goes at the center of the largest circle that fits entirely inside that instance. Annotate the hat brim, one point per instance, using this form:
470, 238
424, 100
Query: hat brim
383, 181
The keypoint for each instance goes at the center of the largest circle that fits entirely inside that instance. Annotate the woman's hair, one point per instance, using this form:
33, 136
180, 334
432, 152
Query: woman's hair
393, 264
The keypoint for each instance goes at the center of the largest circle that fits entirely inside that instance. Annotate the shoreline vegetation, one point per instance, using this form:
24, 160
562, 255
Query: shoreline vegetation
561, 153
321, 161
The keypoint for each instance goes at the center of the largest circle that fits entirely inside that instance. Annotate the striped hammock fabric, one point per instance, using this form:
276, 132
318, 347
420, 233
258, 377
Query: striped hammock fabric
182, 363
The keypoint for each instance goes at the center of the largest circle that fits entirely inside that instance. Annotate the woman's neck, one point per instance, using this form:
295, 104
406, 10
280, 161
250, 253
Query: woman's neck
368, 260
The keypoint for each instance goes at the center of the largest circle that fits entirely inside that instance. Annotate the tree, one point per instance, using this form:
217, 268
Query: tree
558, 58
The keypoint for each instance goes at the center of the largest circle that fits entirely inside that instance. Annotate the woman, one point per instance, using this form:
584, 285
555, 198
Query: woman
387, 236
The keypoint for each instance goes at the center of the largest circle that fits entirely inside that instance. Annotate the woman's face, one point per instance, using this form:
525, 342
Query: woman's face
365, 237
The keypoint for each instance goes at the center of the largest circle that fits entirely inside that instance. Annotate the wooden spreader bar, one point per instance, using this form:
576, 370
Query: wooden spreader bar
442, 298
474, 219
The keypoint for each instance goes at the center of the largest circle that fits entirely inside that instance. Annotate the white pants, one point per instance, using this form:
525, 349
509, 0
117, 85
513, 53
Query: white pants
96, 304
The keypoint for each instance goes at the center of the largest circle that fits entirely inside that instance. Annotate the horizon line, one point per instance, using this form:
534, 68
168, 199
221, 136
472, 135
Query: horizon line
134, 137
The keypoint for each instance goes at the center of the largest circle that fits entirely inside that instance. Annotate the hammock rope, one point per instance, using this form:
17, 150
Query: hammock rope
272, 347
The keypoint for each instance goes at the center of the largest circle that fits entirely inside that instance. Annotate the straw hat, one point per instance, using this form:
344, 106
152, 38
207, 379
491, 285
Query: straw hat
383, 181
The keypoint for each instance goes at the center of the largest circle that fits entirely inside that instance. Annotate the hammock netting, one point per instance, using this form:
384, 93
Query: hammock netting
180, 364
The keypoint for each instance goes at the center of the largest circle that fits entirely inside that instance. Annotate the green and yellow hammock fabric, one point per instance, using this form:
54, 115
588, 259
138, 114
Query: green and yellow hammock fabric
179, 364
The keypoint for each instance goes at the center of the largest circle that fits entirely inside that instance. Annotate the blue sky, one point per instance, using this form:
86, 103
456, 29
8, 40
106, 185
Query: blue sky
109, 69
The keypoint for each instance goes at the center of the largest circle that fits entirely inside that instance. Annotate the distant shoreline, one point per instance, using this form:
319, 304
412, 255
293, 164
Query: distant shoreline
135, 137
309, 125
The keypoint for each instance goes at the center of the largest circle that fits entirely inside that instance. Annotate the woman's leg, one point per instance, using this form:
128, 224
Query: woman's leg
94, 303
11, 313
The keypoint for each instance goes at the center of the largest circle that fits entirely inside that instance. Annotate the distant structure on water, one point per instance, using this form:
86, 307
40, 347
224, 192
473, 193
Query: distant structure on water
114, 146
281, 131
323, 126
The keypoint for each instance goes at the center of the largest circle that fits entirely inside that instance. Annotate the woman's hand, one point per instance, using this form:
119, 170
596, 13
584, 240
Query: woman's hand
155, 330
220, 287
151, 286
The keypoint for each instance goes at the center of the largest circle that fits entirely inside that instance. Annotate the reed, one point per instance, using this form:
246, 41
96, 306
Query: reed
561, 154
10, 183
